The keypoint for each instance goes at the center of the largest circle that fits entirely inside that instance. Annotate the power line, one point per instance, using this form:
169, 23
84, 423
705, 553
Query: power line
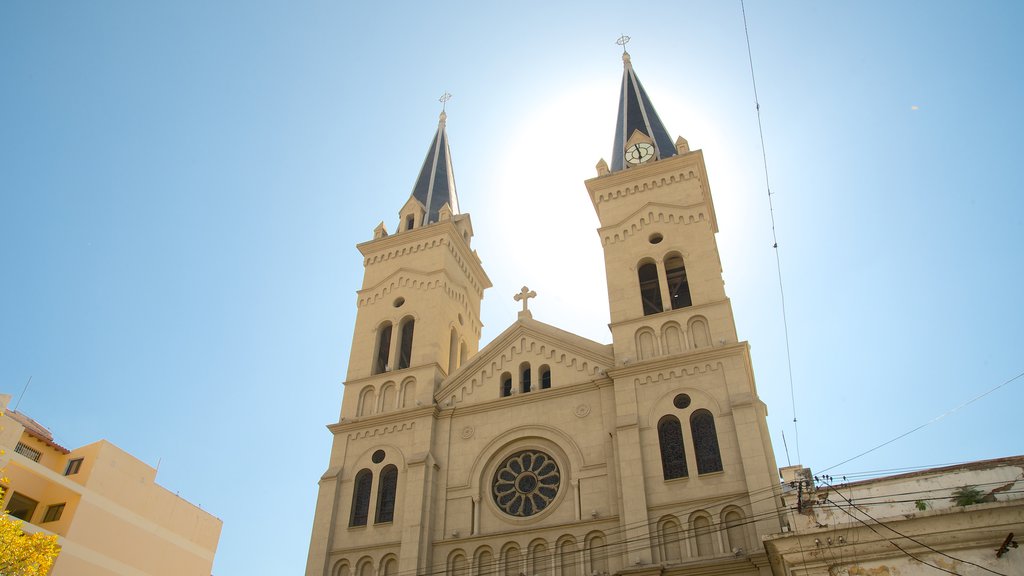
775, 238
902, 535
932, 421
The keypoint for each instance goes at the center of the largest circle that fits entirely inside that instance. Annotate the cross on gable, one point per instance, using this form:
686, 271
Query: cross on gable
525, 294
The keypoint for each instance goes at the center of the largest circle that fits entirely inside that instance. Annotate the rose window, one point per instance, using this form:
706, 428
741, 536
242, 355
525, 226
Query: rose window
525, 483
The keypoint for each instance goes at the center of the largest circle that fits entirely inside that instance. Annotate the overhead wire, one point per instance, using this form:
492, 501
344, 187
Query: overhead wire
928, 423
775, 238
902, 535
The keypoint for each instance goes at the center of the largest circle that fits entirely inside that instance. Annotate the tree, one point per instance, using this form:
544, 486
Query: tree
24, 554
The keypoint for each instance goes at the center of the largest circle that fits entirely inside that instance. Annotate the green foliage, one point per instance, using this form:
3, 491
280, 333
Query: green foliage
967, 495
921, 504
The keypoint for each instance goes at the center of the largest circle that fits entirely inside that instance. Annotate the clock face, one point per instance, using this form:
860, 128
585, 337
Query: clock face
639, 153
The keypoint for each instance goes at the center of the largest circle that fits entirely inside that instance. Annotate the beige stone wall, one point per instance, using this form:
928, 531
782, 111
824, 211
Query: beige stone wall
614, 511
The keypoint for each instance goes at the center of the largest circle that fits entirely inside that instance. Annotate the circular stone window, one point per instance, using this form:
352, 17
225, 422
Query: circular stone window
681, 401
655, 238
377, 457
399, 301
526, 483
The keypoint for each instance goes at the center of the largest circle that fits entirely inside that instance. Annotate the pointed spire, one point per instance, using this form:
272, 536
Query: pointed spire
637, 117
435, 186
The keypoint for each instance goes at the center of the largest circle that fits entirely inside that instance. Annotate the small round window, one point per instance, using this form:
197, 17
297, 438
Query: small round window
681, 401
377, 457
526, 483
399, 301
655, 238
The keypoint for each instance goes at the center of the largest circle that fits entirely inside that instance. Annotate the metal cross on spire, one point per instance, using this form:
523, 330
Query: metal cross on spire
444, 100
622, 41
525, 294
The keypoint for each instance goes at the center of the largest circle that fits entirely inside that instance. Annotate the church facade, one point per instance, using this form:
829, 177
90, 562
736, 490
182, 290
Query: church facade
545, 453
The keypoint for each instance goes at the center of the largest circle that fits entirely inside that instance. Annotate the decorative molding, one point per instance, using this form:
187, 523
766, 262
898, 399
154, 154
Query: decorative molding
382, 430
525, 345
646, 185
582, 411
682, 216
679, 372
428, 244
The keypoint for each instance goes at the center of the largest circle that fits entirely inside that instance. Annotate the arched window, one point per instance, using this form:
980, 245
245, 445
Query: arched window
506, 385
650, 290
386, 492
524, 376
463, 352
734, 531
367, 401
702, 533
699, 332
545, 377
645, 347
673, 338
485, 563
567, 559
361, 498
341, 569
405, 351
670, 535
597, 554
678, 287
408, 393
380, 364
410, 221
513, 561
366, 567
673, 455
458, 566
388, 397
705, 442
539, 560
389, 567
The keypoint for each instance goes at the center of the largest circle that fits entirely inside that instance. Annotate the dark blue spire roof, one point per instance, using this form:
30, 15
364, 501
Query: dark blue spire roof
436, 184
637, 113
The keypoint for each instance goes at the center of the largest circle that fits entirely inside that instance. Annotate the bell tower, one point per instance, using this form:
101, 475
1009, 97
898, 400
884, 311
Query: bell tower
687, 407
419, 306
417, 321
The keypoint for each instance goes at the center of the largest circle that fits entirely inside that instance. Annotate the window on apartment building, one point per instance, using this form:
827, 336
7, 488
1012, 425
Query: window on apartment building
22, 507
27, 452
73, 466
54, 512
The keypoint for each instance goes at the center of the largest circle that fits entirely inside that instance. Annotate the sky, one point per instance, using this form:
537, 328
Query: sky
182, 185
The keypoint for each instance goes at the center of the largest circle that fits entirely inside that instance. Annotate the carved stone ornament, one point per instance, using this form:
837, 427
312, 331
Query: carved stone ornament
526, 483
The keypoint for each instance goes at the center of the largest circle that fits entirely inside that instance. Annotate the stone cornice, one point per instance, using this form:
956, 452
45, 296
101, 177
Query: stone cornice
650, 214
666, 315
650, 176
385, 423
425, 238
700, 360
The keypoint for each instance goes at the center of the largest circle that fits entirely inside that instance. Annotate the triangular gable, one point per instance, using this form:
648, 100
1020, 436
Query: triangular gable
573, 357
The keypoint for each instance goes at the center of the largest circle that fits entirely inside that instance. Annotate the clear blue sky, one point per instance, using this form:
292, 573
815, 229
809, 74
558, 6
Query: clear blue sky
182, 185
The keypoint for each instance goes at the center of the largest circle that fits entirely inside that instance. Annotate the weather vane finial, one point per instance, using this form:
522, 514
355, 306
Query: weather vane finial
622, 41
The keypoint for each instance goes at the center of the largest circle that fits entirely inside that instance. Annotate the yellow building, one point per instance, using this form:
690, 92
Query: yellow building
546, 453
111, 517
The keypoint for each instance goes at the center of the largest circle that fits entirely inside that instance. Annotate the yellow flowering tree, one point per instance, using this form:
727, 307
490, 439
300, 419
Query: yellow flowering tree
24, 554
